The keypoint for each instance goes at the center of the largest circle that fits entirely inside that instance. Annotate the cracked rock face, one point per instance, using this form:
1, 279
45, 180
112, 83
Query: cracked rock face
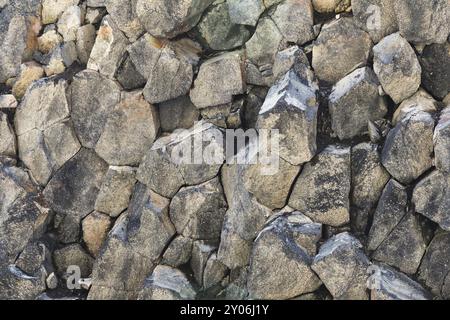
229, 149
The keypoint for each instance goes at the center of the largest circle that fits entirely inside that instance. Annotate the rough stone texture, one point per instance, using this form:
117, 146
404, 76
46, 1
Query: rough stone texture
376, 17
198, 212
442, 142
245, 12
423, 21
291, 107
73, 190
404, 247
73, 255
218, 80
388, 284
390, 211
179, 252
85, 42
92, 97
328, 6
69, 22
109, 47
342, 266
431, 198
165, 173
179, 113
420, 101
8, 143
219, 32
29, 72
435, 61
123, 12
95, 229
435, 266
275, 260
397, 67
352, 43
295, 20
167, 283
354, 101
328, 204
116, 190
130, 130
49, 41
407, 153
157, 17
53, 9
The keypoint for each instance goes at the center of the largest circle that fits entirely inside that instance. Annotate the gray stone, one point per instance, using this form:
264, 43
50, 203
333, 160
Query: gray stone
219, 32
179, 252
92, 97
219, 79
53, 9
109, 48
291, 58
144, 54
94, 15
397, 67
368, 175
354, 101
214, 272
442, 142
246, 12
435, 266
8, 143
129, 132
23, 212
7, 101
276, 259
342, 266
407, 153
13, 47
431, 198
179, 113
35, 259
62, 57
352, 44
116, 190
29, 72
73, 255
167, 283
295, 20
388, 284
128, 75
123, 12
265, 43
44, 152
69, 22
423, 21
169, 18
435, 62
170, 78
198, 212
420, 101
390, 211
17, 285
85, 42
329, 6
322, 190
376, 17
291, 107
244, 219
73, 190
49, 41
95, 230
201, 251
170, 164
404, 247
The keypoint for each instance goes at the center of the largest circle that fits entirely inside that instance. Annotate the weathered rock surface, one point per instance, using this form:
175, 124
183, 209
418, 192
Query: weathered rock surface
352, 43
423, 22
198, 212
179, 252
435, 61
431, 198
407, 153
388, 284
434, 269
354, 101
95, 229
275, 260
130, 130
73, 255
8, 144
329, 203
442, 142
328, 6
167, 19
179, 113
291, 107
246, 12
397, 67
123, 13
73, 190
342, 266
219, 79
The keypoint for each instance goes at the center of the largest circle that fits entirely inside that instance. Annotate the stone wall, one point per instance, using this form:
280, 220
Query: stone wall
97, 96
